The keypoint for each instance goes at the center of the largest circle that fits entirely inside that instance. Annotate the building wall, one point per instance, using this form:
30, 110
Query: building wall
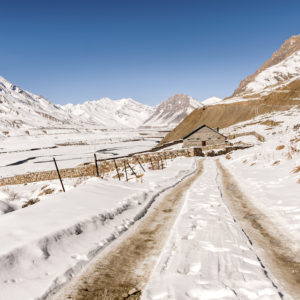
204, 134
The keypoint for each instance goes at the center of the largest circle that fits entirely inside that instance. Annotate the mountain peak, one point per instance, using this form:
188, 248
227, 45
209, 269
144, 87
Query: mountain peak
288, 48
172, 111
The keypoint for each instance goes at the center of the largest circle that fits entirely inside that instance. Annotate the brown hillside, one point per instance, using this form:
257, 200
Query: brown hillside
224, 115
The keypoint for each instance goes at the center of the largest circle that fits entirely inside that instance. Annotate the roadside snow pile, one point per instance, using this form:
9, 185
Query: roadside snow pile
269, 173
45, 244
23, 195
208, 256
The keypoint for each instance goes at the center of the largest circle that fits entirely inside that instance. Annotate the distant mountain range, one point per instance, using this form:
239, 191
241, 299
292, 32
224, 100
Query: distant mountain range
277, 80
23, 110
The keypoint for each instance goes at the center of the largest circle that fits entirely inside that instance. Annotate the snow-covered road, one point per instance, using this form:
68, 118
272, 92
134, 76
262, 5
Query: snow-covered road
208, 256
205, 254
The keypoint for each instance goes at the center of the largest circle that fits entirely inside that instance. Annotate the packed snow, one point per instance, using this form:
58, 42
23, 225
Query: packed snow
208, 256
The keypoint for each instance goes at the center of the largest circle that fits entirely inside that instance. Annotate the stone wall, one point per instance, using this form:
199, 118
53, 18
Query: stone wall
104, 167
254, 133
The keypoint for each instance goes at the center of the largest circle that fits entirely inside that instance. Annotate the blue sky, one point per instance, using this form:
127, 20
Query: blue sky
72, 51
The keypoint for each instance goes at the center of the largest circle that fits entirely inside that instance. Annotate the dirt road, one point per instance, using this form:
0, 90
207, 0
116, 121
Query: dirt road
279, 254
122, 271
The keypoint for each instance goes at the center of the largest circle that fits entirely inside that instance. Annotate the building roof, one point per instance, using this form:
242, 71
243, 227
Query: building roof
201, 128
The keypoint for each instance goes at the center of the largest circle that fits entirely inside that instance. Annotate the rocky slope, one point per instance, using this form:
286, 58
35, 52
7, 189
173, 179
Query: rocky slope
172, 111
282, 67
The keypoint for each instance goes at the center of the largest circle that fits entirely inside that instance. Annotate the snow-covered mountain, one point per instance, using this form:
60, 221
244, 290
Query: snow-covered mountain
280, 70
172, 111
20, 109
111, 113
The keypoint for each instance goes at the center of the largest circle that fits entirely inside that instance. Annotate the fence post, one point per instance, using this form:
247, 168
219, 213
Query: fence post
57, 170
140, 164
165, 157
131, 169
125, 170
151, 163
96, 165
162, 163
117, 169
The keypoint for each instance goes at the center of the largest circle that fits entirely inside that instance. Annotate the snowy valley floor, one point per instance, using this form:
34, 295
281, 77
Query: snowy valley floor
233, 233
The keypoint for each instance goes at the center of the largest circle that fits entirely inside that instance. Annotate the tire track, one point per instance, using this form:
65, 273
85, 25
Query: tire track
122, 271
282, 259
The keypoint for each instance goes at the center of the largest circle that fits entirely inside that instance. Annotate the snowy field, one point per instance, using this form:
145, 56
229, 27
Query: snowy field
47, 242
30, 153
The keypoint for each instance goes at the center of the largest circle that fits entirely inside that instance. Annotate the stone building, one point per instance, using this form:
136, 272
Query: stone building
204, 137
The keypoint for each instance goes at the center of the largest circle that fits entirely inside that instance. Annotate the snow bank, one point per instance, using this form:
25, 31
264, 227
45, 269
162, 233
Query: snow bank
45, 244
266, 172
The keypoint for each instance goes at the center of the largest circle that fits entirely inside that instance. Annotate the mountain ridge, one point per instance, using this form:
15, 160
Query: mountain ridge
20, 109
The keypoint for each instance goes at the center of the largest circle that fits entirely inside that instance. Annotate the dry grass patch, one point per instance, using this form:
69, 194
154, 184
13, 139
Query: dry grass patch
270, 123
295, 140
296, 127
249, 124
296, 170
30, 202
79, 143
228, 156
244, 161
280, 147
254, 163
276, 162
46, 192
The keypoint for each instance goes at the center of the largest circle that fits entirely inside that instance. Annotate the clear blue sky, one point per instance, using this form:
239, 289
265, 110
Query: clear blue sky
72, 51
